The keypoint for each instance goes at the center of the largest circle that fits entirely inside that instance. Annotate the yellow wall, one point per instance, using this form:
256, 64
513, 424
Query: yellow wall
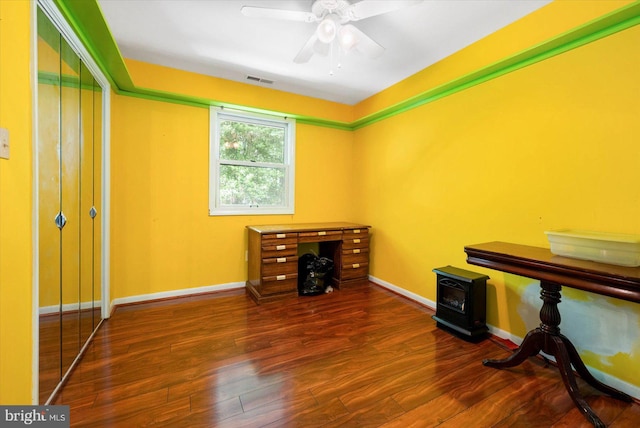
16, 179
163, 238
553, 145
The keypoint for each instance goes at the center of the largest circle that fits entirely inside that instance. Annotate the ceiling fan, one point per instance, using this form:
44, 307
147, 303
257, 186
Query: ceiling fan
333, 18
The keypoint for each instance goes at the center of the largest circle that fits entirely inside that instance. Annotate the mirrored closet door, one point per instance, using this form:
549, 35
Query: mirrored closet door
69, 148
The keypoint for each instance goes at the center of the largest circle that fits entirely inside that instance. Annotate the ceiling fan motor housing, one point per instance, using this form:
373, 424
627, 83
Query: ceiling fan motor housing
321, 8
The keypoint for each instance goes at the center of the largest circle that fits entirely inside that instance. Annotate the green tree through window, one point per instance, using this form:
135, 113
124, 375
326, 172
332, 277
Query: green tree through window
251, 169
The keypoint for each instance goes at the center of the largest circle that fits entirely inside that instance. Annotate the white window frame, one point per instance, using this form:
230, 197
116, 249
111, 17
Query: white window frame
216, 115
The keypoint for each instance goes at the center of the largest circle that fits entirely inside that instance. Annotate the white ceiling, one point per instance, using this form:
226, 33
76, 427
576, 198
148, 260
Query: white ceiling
213, 37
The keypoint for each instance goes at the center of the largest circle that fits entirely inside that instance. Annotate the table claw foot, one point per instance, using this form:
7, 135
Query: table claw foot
563, 361
588, 377
530, 346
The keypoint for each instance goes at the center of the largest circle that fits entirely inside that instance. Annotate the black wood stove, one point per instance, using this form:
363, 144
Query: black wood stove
462, 302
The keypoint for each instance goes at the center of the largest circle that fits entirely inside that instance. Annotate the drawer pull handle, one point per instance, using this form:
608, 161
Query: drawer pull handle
356, 230
356, 251
281, 247
356, 265
281, 235
281, 260
322, 233
356, 241
281, 277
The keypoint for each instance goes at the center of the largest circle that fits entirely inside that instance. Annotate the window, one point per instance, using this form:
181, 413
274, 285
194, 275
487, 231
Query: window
251, 163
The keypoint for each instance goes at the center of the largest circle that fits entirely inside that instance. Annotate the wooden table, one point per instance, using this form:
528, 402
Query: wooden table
553, 272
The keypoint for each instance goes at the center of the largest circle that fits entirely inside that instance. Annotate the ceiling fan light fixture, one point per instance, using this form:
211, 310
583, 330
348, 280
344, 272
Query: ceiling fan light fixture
347, 38
327, 30
333, 19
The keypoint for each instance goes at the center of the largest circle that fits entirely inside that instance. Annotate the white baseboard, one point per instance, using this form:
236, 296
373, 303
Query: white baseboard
432, 305
175, 293
616, 383
46, 310
401, 291
605, 378
505, 335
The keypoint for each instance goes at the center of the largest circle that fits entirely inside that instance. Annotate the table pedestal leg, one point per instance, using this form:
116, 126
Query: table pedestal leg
547, 338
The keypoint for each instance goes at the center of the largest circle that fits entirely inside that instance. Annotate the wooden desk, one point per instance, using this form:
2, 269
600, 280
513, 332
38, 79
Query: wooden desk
553, 272
273, 255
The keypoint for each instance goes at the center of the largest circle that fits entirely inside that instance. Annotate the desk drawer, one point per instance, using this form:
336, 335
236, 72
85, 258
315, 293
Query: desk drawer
285, 239
281, 250
279, 284
351, 243
355, 270
279, 266
356, 233
350, 251
349, 258
320, 236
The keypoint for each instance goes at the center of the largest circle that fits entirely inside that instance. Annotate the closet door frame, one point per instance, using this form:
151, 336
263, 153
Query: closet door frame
52, 12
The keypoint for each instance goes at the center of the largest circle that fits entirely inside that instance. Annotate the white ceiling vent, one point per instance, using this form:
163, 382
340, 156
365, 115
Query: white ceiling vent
260, 80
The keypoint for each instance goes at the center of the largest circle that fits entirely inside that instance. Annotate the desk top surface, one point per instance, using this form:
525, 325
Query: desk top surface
305, 227
539, 263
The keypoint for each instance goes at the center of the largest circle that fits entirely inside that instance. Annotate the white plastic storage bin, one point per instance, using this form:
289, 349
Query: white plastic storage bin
611, 248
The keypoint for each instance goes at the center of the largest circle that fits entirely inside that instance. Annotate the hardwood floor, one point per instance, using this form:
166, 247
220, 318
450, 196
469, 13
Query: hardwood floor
359, 357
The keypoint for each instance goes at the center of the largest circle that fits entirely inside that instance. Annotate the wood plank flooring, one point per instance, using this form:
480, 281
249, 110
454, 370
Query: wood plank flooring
359, 357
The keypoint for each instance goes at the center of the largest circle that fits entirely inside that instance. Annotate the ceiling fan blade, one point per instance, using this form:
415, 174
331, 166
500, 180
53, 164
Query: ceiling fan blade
321, 48
287, 15
363, 43
368, 8
307, 50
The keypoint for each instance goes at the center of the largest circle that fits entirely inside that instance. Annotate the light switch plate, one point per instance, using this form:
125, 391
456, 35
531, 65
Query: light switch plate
4, 143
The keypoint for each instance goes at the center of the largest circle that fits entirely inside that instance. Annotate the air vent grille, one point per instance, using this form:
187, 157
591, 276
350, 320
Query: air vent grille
260, 80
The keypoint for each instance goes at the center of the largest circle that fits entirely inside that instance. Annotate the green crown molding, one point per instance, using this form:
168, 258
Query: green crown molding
87, 20
606, 25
